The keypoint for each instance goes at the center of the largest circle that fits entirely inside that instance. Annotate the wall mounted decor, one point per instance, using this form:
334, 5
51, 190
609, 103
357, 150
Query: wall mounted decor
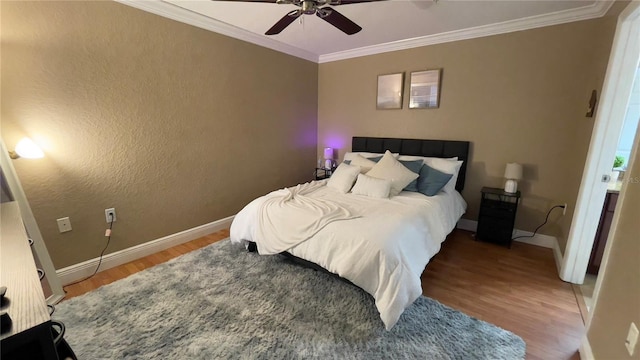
390, 91
592, 104
425, 89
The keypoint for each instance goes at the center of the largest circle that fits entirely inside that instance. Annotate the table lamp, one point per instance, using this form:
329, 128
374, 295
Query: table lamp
513, 173
328, 158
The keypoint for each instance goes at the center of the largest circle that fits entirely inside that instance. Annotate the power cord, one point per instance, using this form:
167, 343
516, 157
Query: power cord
107, 233
541, 225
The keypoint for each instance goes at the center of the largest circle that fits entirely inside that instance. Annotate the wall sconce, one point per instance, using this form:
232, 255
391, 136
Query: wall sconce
27, 149
513, 173
328, 158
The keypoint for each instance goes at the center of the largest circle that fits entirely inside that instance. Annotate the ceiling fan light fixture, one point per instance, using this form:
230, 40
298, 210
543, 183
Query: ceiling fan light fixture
324, 12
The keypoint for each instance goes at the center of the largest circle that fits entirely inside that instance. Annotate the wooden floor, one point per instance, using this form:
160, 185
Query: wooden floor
124, 270
517, 289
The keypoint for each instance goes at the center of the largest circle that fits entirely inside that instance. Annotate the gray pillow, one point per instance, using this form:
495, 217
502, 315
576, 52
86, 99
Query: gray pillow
414, 166
431, 180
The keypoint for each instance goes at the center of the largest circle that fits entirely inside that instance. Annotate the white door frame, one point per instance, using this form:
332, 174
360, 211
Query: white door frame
616, 92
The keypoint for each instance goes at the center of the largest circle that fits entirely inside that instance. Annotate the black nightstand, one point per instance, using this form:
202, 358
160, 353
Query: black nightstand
497, 215
322, 173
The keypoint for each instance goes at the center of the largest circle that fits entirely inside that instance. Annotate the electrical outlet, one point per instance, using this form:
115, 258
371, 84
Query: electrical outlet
564, 209
632, 339
64, 224
110, 214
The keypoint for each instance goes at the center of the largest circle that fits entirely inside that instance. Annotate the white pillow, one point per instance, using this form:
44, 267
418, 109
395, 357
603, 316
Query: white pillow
449, 167
391, 169
343, 178
364, 163
350, 155
370, 186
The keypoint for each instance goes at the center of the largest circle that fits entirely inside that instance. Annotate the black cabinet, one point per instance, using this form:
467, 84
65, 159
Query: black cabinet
497, 215
322, 173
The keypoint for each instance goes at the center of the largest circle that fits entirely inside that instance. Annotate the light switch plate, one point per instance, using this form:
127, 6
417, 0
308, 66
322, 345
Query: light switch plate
64, 224
632, 339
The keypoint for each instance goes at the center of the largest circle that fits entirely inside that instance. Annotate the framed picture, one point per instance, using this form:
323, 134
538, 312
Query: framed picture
425, 89
390, 91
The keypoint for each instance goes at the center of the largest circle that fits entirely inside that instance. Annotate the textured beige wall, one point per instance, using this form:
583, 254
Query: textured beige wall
518, 97
172, 125
619, 301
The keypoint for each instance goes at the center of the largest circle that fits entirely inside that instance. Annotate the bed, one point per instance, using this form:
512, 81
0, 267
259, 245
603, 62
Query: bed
381, 245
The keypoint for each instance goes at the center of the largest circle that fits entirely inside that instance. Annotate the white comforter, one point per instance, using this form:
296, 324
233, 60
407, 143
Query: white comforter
380, 245
291, 216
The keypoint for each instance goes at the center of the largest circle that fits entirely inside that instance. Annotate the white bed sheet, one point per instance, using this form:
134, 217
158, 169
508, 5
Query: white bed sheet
383, 251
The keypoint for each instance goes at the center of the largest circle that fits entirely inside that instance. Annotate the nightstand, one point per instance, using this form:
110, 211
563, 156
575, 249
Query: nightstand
497, 216
322, 173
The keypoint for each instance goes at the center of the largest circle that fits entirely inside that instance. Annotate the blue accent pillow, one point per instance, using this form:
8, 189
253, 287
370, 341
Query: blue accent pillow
431, 180
414, 166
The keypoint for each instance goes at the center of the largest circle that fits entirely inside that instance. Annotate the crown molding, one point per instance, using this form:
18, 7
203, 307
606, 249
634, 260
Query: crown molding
170, 11
595, 10
177, 13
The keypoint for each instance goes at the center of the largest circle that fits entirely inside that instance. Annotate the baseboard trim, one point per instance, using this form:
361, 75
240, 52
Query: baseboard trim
54, 299
546, 241
585, 349
557, 255
76, 272
466, 224
538, 239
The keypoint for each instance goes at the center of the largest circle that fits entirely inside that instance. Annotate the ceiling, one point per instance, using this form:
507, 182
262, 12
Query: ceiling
386, 25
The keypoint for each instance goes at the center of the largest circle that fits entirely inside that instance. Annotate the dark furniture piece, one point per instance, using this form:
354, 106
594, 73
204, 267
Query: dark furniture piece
29, 335
322, 173
418, 147
602, 233
497, 216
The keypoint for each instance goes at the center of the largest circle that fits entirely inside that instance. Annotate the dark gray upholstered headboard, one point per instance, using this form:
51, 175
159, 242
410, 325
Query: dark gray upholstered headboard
417, 147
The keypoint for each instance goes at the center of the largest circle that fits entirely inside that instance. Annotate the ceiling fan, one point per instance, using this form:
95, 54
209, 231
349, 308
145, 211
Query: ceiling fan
310, 7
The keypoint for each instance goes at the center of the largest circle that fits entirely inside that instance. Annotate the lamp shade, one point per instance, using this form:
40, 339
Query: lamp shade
26, 148
328, 153
513, 171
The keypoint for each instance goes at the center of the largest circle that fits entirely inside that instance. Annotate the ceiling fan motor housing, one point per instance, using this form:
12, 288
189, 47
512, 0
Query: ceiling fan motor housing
309, 7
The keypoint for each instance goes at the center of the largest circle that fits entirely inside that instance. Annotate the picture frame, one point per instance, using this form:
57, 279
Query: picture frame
390, 91
424, 91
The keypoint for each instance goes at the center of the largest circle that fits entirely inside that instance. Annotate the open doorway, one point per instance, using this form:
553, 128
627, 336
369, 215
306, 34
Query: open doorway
622, 156
614, 105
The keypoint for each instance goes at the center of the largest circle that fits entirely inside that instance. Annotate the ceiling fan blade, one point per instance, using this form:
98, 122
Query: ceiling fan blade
262, 1
338, 20
347, 2
284, 22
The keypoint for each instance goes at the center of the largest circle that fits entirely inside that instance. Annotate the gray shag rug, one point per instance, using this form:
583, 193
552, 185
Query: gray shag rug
221, 302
